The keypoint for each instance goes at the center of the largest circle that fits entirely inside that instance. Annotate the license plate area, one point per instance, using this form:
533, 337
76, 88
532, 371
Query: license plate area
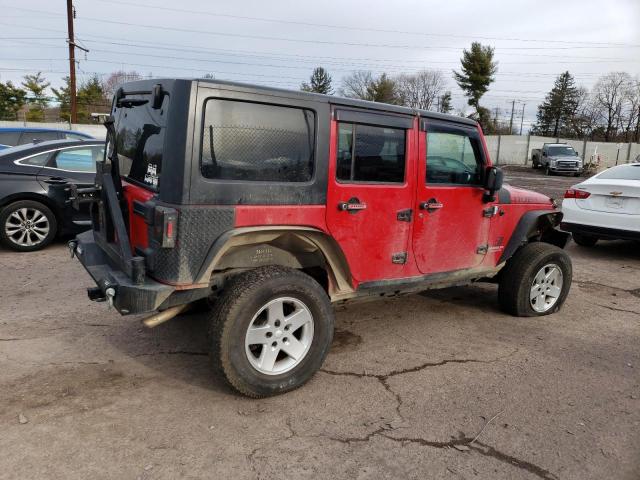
615, 203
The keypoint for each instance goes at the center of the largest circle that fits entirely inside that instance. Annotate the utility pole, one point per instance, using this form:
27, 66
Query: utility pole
513, 105
522, 118
71, 14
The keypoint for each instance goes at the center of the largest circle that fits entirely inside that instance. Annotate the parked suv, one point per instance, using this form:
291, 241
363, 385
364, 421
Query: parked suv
274, 204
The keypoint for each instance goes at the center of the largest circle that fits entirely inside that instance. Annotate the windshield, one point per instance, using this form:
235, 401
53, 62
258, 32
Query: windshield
561, 152
140, 131
623, 172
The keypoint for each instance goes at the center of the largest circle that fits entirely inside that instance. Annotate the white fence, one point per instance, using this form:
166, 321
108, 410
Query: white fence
516, 149
97, 131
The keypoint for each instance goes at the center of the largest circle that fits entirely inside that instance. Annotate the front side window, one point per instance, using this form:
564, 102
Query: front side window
369, 153
257, 142
78, 159
453, 158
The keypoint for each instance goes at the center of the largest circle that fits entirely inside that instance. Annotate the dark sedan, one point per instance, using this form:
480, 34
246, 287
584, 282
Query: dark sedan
32, 203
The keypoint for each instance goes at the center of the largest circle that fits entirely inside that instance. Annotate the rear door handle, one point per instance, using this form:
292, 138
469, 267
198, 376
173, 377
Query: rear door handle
431, 205
55, 180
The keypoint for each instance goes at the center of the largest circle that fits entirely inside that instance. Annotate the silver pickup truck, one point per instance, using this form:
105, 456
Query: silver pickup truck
557, 158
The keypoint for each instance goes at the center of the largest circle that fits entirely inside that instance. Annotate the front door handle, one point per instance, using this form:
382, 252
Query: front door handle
431, 205
352, 206
56, 180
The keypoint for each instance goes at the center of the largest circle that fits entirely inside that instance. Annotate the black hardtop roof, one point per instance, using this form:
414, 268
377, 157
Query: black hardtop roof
318, 97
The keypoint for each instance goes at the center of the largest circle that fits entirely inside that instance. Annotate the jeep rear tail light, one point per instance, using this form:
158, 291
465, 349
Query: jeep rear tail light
574, 193
166, 226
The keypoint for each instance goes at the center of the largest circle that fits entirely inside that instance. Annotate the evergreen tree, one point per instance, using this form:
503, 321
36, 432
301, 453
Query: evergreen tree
478, 70
383, 90
63, 97
12, 99
36, 87
555, 115
320, 82
444, 103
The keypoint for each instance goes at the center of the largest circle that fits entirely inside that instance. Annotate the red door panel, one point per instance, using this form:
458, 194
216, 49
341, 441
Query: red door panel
447, 237
363, 218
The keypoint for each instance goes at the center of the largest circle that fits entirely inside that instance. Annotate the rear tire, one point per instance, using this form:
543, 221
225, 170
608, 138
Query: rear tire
27, 225
535, 281
584, 240
270, 302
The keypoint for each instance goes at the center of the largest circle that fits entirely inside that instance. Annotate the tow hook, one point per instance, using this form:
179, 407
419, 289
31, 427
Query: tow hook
110, 293
73, 244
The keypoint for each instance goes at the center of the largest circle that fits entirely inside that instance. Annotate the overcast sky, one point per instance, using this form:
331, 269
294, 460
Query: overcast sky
278, 43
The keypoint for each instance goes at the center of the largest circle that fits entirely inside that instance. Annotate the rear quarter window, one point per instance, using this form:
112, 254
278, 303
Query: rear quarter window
257, 142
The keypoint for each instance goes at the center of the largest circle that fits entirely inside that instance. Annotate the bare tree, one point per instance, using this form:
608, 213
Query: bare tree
357, 85
610, 96
113, 82
421, 90
631, 111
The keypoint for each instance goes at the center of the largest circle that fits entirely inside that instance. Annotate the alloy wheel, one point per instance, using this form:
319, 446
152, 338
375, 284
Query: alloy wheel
279, 336
27, 227
546, 288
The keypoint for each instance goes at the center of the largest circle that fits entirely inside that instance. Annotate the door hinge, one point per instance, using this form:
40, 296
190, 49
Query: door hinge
482, 249
490, 212
405, 215
400, 258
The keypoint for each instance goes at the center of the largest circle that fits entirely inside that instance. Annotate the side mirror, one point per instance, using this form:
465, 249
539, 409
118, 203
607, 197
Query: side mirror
544, 154
493, 180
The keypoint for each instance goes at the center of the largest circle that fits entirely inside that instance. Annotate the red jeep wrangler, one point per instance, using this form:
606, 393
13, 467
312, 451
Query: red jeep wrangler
274, 204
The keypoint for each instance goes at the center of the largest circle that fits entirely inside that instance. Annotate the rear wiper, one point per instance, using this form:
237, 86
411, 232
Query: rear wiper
131, 102
157, 96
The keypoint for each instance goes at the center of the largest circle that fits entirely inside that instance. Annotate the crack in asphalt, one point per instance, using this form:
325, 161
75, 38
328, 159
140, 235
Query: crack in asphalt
171, 352
462, 441
617, 309
589, 283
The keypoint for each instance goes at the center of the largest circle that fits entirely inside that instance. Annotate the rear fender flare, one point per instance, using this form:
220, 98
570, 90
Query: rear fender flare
278, 239
539, 225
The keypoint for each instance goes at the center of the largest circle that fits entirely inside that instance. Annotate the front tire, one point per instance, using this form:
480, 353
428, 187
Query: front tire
535, 281
27, 225
270, 330
584, 240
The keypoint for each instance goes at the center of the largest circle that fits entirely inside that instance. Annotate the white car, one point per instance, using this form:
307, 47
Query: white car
606, 206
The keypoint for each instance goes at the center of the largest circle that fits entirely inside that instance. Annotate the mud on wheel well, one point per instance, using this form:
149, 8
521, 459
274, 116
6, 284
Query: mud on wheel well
309, 251
535, 226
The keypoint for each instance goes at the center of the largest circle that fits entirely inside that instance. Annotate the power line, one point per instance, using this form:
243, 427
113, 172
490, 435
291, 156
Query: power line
356, 28
329, 42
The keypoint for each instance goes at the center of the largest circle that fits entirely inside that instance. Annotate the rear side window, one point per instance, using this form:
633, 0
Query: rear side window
257, 142
30, 137
78, 159
623, 172
369, 153
453, 158
9, 138
36, 160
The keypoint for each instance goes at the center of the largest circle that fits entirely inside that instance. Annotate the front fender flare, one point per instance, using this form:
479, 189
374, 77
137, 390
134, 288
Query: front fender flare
536, 224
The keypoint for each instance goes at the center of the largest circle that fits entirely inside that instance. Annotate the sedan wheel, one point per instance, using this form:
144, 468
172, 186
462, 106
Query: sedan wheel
27, 226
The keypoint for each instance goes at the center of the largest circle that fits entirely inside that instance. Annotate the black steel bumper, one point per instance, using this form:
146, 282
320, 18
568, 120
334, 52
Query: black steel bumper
600, 232
128, 297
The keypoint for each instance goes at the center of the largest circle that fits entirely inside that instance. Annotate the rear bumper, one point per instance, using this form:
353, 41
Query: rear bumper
600, 232
129, 297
